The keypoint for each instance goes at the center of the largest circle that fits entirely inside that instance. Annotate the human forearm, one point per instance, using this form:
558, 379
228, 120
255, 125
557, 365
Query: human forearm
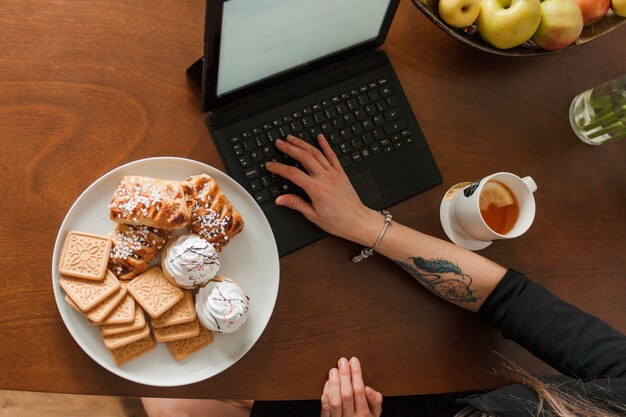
455, 274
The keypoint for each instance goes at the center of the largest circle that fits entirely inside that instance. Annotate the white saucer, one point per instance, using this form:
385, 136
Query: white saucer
451, 227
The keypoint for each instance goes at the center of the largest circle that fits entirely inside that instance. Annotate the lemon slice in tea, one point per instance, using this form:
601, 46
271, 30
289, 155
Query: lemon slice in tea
495, 194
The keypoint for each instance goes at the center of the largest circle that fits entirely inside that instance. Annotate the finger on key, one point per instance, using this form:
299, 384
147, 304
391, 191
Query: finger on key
346, 387
358, 388
291, 173
307, 160
330, 155
317, 154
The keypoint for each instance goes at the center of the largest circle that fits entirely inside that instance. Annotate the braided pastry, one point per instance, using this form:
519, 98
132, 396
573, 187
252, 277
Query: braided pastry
150, 202
212, 215
134, 247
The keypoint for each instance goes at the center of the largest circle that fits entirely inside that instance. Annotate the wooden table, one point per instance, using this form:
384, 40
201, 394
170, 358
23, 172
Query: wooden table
87, 86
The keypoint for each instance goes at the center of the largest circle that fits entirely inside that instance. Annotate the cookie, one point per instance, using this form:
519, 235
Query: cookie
124, 313
102, 310
130, 351
183, 311
154, 292
177, 331
138, 323
116, 340
182, 348
85, 256
88, 294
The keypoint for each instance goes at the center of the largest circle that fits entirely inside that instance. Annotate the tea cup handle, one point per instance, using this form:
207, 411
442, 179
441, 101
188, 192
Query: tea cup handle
530, 183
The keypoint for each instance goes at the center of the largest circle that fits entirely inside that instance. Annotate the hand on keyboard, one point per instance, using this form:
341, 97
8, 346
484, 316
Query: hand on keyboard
335, 206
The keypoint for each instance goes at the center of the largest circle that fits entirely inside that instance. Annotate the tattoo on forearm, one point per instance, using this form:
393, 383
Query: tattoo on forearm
442, 277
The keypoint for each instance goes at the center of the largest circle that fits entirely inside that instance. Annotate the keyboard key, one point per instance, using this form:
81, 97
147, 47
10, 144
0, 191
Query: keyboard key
382, 81
316, 107
381, 106
387, 148
356, 156
378, 134
391, 101
327, 127
405, 133
296, 126
287, 119
335, 100
245, 161
349, 118
249, 145
367, 138
260, 140
357, 129
342, 108
379, 120
374, 95
354, 92
246, 135
338, 123
371, 85
391, 115
272, 135
265, 180
277, 122
251, 172
370, 110
255, 185
307, 111
284, 131
394, 138
262, 196
314, 132
367, 124
409, 140
257, 131
256, 155
269, 151
274, 191
365, 152
346, 133
335, 138
398, 145
345, 96
267, 126
326, 103
308, 122
375, 148
360, 114
363, 99
284, 188
297, 114
353, 104
385, 91
235, 139
356, 142
306, 136
363, 89
385, 142
238, 148
319, 117
394, 126
330, 113
345, 148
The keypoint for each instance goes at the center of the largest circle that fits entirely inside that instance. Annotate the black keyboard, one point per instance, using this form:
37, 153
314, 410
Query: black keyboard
362, 123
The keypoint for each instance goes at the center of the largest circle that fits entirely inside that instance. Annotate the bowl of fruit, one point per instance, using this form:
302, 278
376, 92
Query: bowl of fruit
525, 27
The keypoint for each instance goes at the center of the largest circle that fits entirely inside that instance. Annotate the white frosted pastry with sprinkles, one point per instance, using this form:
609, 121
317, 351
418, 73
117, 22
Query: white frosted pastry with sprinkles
222, 306
190, 261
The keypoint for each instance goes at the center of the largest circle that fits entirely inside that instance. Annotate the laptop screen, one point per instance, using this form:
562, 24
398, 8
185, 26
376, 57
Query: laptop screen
262, 38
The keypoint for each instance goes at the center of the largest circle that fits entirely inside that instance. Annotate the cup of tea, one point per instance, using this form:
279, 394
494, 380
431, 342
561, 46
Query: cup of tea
499, 206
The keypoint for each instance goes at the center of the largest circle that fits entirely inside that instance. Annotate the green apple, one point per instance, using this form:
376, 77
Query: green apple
561, 24
619, 7
459, 13
508, 23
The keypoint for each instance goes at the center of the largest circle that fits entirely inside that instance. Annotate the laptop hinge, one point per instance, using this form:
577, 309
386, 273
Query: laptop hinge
297, 87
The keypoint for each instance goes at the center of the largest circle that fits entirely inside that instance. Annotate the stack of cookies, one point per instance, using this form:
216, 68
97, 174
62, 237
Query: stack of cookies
118, 307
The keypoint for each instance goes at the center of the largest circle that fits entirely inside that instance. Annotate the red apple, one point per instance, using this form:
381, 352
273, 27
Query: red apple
593, 10
561, 24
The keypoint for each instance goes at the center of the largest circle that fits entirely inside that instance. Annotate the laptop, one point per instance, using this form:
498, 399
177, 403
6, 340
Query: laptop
277, 67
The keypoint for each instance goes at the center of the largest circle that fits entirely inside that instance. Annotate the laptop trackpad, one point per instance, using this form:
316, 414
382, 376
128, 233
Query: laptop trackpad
366, 187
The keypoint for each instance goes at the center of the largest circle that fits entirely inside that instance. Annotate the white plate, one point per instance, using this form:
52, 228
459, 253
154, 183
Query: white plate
251, 258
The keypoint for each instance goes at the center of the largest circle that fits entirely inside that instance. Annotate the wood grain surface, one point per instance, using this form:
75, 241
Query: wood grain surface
86, 86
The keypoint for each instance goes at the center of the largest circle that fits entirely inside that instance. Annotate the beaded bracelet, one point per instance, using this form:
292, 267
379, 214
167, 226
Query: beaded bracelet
367, 252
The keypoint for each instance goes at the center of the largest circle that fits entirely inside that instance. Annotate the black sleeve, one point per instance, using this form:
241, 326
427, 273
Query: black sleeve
566, 338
